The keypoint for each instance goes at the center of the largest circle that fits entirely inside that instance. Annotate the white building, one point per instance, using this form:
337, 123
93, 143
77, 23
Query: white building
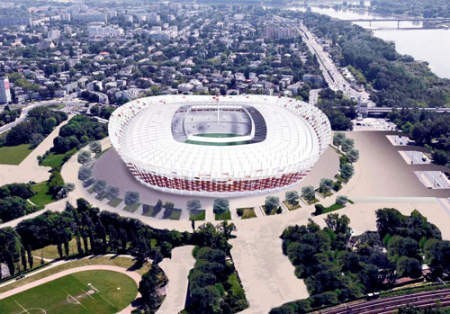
5, 93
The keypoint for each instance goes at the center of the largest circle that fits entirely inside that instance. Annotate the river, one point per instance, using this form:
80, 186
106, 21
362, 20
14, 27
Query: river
430, 45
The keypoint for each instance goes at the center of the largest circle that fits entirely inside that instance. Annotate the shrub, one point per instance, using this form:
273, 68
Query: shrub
319, 209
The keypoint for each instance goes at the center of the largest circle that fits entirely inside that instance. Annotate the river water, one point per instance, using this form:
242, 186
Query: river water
430, 45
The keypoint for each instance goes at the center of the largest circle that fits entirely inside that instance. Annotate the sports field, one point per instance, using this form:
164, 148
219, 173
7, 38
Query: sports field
99, 291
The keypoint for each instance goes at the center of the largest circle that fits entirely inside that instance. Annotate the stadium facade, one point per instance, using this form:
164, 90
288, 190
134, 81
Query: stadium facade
221, 146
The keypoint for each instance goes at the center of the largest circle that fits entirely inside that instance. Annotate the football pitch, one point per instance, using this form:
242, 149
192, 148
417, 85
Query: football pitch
101, 291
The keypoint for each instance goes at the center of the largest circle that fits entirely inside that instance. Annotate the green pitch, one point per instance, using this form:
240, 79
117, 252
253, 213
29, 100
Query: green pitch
99, 291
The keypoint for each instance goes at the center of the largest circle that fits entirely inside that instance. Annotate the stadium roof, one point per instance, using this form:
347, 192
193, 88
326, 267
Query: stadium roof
141, 131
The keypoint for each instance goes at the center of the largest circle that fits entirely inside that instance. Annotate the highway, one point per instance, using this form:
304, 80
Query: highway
330, 72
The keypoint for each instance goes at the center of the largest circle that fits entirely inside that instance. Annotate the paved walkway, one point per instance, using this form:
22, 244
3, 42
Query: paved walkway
177, 270
29, 169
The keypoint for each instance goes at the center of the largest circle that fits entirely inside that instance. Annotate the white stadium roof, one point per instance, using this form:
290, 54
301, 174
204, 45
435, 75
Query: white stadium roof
297, 133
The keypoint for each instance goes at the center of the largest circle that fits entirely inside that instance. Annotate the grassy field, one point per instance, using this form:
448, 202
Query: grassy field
84, 292
14, 155
132, 208
197, 215
224, 216
120, 261
55, 161
246, 212
290, 206
41, 198
51, 251
115, 202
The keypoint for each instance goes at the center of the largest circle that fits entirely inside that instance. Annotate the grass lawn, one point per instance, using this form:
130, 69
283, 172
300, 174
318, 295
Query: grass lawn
289, 206
115, 202
173, 213
120, 261
41, 198
55, 161
132, 208
197, 215
99, 291
51, 251
224, 216
14, 155
247, 212
330, 209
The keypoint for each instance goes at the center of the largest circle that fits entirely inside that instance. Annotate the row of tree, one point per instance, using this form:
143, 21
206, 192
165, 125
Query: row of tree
214, 286
337, 267
100, 232
39, 123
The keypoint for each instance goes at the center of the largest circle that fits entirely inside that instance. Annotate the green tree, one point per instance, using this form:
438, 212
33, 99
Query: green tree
292, 197
221, 205
308, 193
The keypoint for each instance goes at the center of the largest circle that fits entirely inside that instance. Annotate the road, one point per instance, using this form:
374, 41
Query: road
330, 71
25, 110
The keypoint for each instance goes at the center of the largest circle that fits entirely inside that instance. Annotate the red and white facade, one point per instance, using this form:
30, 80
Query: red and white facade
297, 134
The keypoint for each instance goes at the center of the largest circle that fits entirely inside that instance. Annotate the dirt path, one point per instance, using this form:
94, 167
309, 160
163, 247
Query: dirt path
29, 169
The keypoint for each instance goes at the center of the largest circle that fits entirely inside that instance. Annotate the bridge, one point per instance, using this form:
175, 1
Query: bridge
402, 19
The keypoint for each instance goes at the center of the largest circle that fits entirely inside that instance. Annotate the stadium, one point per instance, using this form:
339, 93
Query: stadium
222, 146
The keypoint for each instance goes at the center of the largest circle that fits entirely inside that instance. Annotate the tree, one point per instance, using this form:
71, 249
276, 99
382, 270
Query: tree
338, 138
347, 145
341, 200
339, 224
346, 171
308, 193
271, 204
221, 205
292, 197
409, 267
325, 186
131, 198
99, 186
84, 157
56, 184
388, 220
95, 147
194, 205
149, 285
84, 173
353, 155
440, 157
112, 192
